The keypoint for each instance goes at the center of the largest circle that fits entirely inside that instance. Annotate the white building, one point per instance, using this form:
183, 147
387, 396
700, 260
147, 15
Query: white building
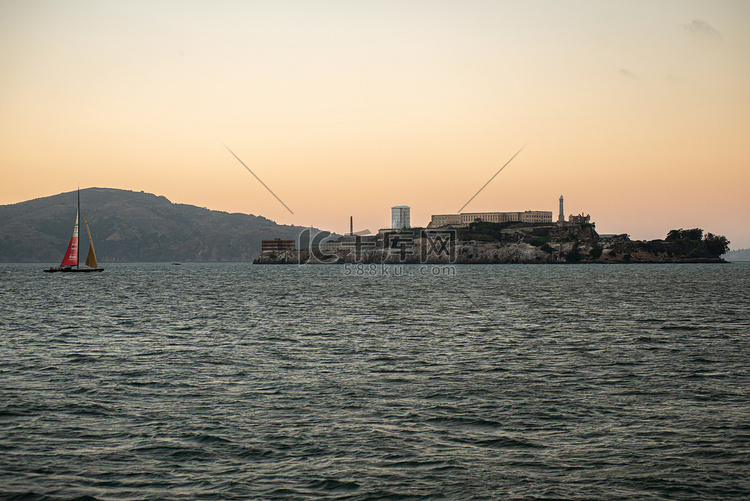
400, 217
466, 218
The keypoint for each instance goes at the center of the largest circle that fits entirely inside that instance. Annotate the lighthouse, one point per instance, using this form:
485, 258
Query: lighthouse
561, 217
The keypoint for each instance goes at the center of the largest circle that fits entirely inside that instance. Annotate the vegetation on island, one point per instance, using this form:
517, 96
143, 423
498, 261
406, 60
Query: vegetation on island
516, 242
576, 243
694, 241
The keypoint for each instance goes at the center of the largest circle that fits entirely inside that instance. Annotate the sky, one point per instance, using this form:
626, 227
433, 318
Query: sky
637, 112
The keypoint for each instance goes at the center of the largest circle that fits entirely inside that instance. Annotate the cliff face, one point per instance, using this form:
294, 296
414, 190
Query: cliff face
132, 226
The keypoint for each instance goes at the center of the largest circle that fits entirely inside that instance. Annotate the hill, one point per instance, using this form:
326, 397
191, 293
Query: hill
130, 226
737, 255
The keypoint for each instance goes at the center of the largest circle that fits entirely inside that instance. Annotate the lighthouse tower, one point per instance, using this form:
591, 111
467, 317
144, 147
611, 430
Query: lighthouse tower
561, 217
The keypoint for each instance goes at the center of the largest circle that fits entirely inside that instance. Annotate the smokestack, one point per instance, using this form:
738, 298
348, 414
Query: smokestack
351, 225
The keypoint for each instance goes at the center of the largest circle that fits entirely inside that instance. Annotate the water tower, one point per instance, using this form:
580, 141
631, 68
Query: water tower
400, 217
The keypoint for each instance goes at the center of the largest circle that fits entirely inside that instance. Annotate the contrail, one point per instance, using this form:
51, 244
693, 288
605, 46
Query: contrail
493, 177
256, 177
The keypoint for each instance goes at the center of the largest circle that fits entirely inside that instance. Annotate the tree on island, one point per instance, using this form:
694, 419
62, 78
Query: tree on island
710, 245
596, 252
695, 234
573, 256
716, 245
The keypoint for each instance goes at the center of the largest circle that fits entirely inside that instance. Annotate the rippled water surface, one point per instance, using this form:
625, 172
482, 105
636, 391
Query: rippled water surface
234, 381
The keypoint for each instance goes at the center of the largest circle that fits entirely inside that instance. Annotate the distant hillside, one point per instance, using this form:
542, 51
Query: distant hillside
737, 255
128, 226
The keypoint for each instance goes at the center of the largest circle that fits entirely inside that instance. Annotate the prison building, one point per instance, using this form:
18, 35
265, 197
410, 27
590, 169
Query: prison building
277, 245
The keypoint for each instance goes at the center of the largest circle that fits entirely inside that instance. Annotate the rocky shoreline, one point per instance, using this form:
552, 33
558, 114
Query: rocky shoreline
504, 243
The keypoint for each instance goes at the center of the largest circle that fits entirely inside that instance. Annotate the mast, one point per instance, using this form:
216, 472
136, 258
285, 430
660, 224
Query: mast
78, 218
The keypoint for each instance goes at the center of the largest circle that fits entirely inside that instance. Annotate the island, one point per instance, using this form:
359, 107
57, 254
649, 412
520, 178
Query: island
484, 242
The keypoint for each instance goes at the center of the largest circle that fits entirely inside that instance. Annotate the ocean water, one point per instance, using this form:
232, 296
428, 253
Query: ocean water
234, 381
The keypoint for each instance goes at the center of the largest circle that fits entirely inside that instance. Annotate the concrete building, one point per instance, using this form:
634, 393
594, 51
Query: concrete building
349, 242
579, 219
277, 245
440, 220
535, 216
466, 218
400, 217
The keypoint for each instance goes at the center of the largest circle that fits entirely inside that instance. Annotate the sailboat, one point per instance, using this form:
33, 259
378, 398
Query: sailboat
70, 260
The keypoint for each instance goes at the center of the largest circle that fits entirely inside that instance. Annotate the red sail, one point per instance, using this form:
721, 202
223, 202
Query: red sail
71, 255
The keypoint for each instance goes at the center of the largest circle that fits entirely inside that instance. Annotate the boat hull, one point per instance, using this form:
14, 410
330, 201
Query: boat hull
73, 270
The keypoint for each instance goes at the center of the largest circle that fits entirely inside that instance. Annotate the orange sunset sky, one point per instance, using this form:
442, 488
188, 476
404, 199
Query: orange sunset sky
638, 112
